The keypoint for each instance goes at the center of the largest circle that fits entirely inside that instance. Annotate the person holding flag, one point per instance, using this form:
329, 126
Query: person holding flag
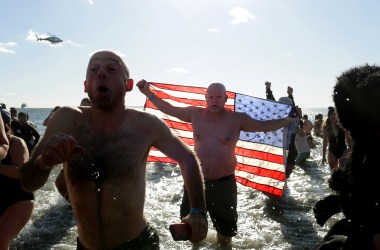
216, 131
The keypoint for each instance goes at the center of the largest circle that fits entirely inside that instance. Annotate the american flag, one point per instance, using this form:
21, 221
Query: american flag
261, 156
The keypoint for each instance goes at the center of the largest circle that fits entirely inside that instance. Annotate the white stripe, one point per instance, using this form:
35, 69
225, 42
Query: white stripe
260, 147
162, 115
159, 114
260, 179
260, 163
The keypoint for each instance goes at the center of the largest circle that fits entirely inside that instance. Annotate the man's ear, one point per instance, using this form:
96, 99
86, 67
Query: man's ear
129, 85
85, 86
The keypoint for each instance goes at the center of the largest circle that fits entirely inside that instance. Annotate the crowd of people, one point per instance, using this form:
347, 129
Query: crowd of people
104, 155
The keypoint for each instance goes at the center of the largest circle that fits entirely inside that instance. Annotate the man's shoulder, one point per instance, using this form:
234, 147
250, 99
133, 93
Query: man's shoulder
141, 117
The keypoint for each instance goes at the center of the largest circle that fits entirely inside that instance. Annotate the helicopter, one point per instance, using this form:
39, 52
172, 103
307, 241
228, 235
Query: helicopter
52, 39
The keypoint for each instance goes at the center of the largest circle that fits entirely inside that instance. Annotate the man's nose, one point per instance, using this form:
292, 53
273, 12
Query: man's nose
101, 72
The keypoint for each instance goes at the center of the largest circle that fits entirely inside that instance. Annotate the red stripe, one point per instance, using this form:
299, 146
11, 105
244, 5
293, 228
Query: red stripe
261, 187
261, 171
188, 141
179, 125
259, 155
188, 89
189, 102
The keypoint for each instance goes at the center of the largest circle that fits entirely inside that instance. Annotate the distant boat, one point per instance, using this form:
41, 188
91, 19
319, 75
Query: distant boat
23, 105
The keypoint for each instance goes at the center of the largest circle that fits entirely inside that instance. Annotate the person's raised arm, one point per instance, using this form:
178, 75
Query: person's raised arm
55, 147
268, 91
4, 144
290, 94
249, 124
174, 148
183, 114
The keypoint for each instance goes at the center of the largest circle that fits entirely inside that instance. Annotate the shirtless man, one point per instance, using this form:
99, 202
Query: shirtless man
104, 150
307, 125
4, 144
216, 131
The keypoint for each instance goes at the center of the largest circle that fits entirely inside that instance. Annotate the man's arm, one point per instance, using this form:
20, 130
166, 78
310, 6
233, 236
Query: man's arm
55, 148
268, 91
290, 94
192, 175
4, 144
20, 155
35, 134
183, 114
249, 124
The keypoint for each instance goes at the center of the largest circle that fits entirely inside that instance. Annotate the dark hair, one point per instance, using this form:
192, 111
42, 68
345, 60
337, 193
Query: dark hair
356, 97
22, 114
330, 110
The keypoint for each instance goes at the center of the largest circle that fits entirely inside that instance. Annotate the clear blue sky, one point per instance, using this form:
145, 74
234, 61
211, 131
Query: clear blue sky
301, 43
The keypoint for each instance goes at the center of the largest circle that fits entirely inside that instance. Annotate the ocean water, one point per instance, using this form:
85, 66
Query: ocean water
262, 224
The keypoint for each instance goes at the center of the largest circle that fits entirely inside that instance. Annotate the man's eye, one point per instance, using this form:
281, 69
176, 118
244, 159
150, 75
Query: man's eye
94, 69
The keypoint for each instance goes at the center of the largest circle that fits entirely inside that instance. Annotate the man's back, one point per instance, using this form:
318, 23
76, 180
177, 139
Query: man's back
307, 126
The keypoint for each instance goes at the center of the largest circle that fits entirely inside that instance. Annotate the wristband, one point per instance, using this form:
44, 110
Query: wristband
152, 97
198, 211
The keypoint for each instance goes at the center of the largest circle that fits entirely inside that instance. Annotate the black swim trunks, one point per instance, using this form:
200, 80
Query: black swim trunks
147, 240
221, 200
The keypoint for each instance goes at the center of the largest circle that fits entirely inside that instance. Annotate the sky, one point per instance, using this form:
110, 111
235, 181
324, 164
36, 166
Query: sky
304, 44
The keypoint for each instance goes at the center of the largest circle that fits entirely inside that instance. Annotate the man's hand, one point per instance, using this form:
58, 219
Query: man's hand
58, 149
144, 87
199, 226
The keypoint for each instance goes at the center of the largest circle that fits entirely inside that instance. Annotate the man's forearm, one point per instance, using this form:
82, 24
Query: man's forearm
159, 103
33, 175
194, 183
270, 95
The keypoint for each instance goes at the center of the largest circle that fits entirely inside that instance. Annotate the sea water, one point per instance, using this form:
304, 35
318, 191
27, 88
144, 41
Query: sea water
263, 223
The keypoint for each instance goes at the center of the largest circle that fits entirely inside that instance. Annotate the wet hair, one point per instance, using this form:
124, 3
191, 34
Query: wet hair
13, 110
330, 110
22, 114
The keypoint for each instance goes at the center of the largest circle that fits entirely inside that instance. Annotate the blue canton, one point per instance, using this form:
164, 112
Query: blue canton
262, 109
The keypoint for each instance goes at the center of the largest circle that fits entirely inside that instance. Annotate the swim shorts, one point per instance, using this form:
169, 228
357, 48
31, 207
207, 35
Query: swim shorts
147, 240
221, 200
